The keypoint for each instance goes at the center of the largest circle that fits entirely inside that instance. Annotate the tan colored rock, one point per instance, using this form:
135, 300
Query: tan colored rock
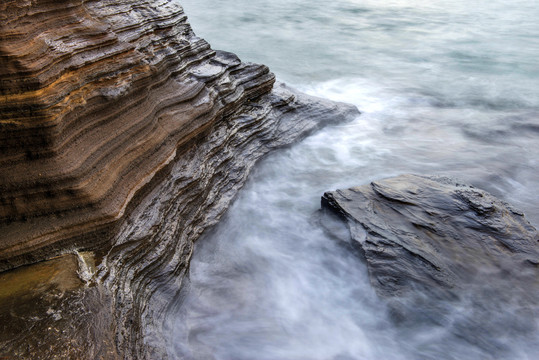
123, 133
96, 98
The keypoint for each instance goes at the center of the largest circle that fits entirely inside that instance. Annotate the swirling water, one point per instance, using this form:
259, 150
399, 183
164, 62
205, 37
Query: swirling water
445, 87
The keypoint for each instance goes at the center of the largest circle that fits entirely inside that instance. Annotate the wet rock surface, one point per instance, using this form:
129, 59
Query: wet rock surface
433, 232
98, 97
124, 134
446, 253
146, 265
54, 310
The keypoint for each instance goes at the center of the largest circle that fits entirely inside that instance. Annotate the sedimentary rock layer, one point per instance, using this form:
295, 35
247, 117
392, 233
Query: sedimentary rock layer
123, 133
96, 98
147, 263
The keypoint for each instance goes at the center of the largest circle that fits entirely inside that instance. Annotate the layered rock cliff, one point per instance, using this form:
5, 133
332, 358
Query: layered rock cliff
97, 96
123, 133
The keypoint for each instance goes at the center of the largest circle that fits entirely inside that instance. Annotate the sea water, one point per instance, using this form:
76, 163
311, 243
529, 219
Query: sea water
445, 87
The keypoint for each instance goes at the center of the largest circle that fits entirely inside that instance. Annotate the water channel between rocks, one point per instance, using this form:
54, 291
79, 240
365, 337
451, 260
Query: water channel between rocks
446, 89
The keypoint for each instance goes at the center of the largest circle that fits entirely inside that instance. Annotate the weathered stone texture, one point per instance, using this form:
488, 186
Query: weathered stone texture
445, 255
420, 232
96, 98
123, 133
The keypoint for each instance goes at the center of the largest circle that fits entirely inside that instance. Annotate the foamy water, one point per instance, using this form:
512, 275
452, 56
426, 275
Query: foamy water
444, 88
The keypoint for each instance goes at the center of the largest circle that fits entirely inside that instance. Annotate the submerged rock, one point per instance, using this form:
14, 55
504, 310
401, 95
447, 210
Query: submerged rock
445, 253
124, 134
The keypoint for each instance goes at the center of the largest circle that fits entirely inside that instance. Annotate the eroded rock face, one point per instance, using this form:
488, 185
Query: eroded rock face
97, 98
123, 133
151, 251
445, 253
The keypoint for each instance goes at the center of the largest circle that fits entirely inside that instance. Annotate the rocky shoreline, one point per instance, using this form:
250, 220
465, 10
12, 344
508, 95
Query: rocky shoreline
123, 135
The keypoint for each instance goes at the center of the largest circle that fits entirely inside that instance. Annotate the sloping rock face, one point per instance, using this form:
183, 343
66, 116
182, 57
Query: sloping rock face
97, 98
123, 133
445, 252
152, 248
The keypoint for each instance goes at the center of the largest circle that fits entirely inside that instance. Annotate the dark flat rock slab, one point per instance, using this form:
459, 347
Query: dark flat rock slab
433, 232
449, 256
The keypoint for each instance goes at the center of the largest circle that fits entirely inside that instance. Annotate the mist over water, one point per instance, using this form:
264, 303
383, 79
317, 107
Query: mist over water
449, 88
